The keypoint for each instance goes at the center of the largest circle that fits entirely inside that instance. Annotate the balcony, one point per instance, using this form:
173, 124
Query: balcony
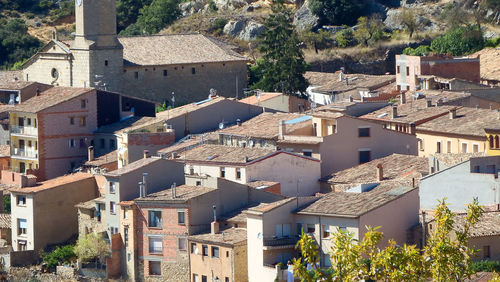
24, 130
282, 242
26, 154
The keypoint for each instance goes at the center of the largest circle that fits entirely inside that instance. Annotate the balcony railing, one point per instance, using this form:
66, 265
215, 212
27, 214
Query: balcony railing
283, 241
32, 154
25, 130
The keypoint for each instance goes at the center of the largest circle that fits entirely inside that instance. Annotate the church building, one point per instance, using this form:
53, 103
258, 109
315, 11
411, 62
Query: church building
159, 67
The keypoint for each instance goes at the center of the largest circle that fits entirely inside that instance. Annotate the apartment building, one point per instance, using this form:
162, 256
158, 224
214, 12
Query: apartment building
274, 101
297, 174
50, 133
44, 213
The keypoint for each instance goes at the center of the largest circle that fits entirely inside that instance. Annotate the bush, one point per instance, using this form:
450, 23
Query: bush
459, 41
486, 266
345, 38
421, 50
218, 25
59, 256
337, 12
493, 42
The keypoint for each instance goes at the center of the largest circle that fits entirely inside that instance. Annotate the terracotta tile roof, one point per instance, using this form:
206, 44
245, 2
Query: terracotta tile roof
223, 154
5, 221
53, 183
262, 183
226, 237
328, 82
15, 85
396, 168
327, 114
91, 204
488, 225
183, 193
126, 203
132, 167
267, 207
454, 159
468, 121
4, 150
266, 125
10, 76
191, 142
490, 63
175, 49
345, 204
104, 159
252, 100
49, 98
123, 125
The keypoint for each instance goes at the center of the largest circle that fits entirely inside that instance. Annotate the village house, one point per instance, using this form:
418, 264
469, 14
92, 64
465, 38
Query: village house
462, 130
351, 107
104, 163
461, 182
327, 88
297, 174
5, 229
166, 218
50, 133
157, 67
44, 213
490, 66
274, 101
413, 71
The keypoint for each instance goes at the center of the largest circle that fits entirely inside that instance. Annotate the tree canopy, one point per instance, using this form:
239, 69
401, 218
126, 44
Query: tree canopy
154, 17
15, 42
91, 247
337, 12
282, 66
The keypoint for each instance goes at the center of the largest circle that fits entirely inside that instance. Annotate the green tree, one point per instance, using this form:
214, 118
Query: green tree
91, 247
317, 40
337, 12
15, 42
345, 37
158, 15
59, 256
127, 12
446, 257
369, 30
421, 50
409, 20
282, 66
459, 41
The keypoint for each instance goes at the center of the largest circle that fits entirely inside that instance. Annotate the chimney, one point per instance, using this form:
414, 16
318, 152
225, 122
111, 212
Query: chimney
91, 153
429, 103
141, 190
453, 113
380, 172
394, 113
413, 128
351, 99
146, 154
491, 106
439, 102
38, 92
214, 226
174, 194
402, 98
281, 129
238, 122
144, 183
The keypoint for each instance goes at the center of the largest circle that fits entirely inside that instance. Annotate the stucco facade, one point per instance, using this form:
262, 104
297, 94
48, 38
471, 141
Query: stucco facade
439, 142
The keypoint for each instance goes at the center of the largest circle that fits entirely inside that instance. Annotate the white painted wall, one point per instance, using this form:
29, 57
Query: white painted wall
24, 212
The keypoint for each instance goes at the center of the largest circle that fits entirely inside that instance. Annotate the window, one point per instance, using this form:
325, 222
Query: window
364, 132
299, 228
223, 172
21, 200
22, 226
196, 278
475, 148
203, 278
398, 69
311, 228
204, 250
154, 219
71, 143
181, 217
155, 245
448, 146
420, 144
82, 143
238, 173
125, 236
182, 244
111, 187
28, 121
364, 156
112, 144
477, 169
215, 252
83, 121
125, 214
307, 153
155, 268
136, 75
226, 279
438, 147
165, 72
106, 62
486, 251
193, 70
198, 183
21, 245
282, 230
83, 103
129, 257
326, 231
407, 71
112, 207
102, 142
464, 147
194, 248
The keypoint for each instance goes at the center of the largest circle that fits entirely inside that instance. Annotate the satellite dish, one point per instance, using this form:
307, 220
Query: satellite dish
221, 125
259, 235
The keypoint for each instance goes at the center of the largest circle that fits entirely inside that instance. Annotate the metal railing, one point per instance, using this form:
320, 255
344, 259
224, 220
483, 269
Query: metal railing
26, 130
283, 241
33, 154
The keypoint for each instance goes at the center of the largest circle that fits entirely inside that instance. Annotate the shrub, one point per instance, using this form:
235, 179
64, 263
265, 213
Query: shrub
493, 42
421, 50
486, 266
218, 25
59, 256
345, 38
459, 41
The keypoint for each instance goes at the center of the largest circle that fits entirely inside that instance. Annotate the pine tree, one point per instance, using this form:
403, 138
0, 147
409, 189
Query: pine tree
282, 67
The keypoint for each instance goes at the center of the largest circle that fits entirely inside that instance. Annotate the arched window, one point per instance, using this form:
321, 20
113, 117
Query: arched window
491, 142
497, 144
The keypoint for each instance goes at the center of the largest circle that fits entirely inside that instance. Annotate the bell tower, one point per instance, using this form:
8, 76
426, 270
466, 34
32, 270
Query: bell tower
97, 53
